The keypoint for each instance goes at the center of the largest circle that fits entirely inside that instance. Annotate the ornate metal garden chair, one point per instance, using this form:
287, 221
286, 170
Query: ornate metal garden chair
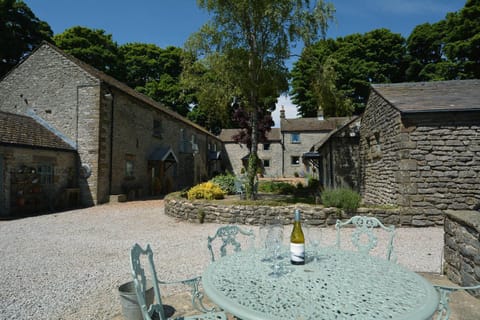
364, 226
239, 188
443, 312
155, 310
228, 236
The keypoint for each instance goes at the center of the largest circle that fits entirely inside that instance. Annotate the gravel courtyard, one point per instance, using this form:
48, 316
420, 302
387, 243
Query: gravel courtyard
69, 265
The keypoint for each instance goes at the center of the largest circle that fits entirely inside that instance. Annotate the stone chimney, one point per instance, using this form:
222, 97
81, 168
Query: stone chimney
282, 113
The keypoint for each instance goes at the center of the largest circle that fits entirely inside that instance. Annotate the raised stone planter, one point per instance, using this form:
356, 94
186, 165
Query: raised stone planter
462, 247
216, 211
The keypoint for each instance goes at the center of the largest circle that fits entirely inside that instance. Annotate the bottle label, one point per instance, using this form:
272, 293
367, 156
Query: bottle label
297, 252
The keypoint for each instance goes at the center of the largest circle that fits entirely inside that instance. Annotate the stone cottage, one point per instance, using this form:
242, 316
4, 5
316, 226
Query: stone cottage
268, 152
420, 146
40, 167
125, 142
282, 154
337, 157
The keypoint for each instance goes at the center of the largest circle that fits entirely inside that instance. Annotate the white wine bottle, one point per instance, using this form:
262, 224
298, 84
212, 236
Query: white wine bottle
297, 241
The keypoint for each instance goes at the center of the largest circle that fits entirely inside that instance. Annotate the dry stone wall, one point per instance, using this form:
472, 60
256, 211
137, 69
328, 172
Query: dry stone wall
218, 212
462, 247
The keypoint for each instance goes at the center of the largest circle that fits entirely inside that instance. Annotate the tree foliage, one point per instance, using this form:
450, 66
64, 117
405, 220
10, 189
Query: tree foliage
156, 72
446, 50
20, 32
94, 47
335, 75
255, 37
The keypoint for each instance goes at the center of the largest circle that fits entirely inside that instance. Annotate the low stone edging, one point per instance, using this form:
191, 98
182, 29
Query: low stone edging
211, 211
462, 247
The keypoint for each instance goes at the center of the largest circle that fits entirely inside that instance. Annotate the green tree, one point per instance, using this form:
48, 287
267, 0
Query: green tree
256, 36
332, 101
304, 77
20, 32
462, 40
210, 91
94, 47
448, 49
353, 63
142, 63
425, 51
155, 72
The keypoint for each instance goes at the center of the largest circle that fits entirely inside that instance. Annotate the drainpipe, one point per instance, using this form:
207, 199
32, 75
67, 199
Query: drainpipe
109, 96
332, 183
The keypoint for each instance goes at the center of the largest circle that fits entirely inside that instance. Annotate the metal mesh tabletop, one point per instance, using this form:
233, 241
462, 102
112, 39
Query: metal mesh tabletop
342, 285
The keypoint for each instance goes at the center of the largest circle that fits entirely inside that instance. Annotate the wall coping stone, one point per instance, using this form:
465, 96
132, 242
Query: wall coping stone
470, 218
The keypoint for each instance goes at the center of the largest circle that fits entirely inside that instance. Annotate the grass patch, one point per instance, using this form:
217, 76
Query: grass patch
342, 198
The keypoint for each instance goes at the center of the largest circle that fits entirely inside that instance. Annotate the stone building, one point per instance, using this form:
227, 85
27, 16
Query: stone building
282, 155
269, 153
39, 167
125, 142
337, 157
420, 146
298, 136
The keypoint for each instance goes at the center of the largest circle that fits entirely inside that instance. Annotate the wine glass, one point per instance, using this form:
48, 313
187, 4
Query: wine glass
275, 242
263, 244
314, 238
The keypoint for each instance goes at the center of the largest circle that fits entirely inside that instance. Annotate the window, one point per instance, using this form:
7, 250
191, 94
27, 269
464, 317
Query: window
129, 166
45, 173
266, 163
157, 128
295, 137
266, 146
295, 160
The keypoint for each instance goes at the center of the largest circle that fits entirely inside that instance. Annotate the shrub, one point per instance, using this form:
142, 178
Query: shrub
226, 182
206, 190
343, 198
276, 187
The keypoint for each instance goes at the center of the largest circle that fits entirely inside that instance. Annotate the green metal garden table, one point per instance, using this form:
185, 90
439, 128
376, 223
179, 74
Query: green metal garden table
341, 285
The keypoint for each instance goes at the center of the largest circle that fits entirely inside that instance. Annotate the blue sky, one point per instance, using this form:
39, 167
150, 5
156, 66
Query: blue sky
170, 22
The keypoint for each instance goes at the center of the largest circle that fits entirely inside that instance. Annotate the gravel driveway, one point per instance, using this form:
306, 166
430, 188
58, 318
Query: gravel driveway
69, 265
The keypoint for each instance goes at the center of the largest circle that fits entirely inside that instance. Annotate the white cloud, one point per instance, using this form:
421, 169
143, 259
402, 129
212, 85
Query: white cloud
290, 110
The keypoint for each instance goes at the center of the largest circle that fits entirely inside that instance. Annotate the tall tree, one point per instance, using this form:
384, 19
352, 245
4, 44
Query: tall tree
448, 49
462, 40
92, 46
352, 63
257, 36
155, 72
20, 32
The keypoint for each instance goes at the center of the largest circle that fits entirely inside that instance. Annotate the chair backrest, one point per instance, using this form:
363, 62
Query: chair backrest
239, 188
364, 226
140, 281
444, 311
228, 236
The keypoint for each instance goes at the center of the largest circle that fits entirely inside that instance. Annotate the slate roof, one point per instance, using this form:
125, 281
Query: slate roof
311, 124
20, 130
227, 134
319, 144
436, 96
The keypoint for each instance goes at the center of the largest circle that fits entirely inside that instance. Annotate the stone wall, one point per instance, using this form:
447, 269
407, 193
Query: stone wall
20, 182
462, 247
215, 211
340, 162
425, 162
441, 162
379, 148
51, 87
